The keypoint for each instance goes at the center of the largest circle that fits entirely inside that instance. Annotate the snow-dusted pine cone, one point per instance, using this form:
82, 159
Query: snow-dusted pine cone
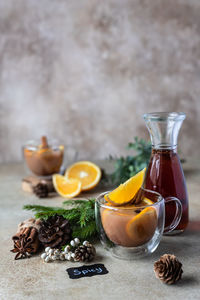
85, 253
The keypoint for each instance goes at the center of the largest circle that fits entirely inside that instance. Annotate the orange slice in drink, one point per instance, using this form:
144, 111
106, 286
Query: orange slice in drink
124, 193
86, 172
144, 202
141, 228
114, 224
67, 188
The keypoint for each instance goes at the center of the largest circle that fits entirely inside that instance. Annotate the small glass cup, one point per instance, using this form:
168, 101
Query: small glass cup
43, 162
133, 231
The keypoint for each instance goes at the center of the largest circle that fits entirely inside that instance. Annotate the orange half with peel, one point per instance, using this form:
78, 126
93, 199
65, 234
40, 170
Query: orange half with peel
124, 193
88, 173
67, 188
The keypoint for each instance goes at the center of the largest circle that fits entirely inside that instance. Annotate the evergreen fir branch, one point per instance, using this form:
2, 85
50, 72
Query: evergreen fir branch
86, 232
91, 202
44, 215
128, 166
72, 215
81, 216
86, 216
90, 214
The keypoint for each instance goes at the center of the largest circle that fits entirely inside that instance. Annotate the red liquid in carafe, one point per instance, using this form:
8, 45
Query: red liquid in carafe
165, 175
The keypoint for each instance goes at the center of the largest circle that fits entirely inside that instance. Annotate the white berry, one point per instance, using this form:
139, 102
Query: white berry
73, 255
44, 255
51, 251
67, 249
68, 256
47, 259
62, 257
77, 241
56, 252
54, 257
85, 243
72, 243
47, 249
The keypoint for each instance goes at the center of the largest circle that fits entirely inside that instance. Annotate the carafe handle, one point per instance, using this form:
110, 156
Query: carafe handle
177, 216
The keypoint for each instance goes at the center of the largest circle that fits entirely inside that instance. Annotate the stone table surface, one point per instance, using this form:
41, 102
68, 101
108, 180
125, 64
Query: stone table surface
33, 279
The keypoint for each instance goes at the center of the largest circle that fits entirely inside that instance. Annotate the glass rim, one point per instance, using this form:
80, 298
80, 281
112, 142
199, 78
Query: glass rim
160, 198
163, 116
30, 144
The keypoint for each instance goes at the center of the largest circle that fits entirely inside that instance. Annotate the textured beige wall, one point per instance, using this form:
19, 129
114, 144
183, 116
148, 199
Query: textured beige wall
85, 71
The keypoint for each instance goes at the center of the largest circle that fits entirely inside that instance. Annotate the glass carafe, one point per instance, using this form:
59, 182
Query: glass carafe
164, 173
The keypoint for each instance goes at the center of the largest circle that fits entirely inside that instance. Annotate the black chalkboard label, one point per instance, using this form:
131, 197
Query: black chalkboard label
87, 271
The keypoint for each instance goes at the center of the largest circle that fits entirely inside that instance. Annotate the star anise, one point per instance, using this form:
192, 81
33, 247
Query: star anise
25, 243
21, 248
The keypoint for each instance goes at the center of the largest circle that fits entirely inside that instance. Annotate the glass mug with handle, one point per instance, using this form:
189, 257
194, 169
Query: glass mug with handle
134, 230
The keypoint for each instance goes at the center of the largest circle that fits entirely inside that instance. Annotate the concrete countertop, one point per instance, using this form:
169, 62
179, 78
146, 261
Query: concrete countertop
33, 279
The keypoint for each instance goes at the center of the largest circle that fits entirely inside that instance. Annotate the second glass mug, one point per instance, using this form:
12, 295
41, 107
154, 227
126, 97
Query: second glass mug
130, 232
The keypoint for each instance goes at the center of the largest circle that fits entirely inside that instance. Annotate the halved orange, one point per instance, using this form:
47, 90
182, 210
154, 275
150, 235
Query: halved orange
141, 228
124, 193
86, 172
67, 188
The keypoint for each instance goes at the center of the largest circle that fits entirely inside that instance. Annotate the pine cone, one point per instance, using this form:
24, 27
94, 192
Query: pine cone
41, 190
85, 253
55, 232
168, 269
25, 242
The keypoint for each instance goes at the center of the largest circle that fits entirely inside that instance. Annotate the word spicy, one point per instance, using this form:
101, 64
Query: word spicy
87, 271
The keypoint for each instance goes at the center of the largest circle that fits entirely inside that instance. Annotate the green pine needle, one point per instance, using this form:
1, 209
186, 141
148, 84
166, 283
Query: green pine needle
86, 232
